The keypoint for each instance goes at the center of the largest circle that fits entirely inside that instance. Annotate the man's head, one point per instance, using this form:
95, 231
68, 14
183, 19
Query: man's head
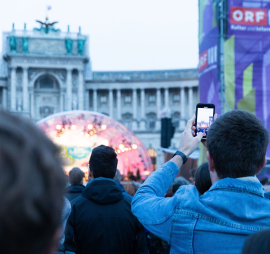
76, 176
31, 188
237, 143
103, 162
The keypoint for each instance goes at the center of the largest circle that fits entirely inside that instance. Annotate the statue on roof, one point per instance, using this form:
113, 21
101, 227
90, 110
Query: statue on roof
46, 26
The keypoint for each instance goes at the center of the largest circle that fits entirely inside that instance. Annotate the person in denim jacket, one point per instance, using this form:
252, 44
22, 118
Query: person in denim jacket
220, 220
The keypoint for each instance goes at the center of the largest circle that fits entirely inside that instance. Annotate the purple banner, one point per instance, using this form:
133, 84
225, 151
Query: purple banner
247, 58
208, 53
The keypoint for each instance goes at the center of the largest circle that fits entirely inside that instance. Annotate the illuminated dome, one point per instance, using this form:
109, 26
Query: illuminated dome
78, 132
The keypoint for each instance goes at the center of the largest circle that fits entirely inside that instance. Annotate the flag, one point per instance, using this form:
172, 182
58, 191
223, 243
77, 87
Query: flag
49, 7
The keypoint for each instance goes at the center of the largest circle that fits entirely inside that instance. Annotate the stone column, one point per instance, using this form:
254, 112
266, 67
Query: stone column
142, 124
86, 101
142, 104
190, 102
4, 98
80, 89
13, 89
166, 94
69, 90
25, 90
32, 105
158, 100
111, 102
95, 100
119, 104
61, 100
183, 113
134, 103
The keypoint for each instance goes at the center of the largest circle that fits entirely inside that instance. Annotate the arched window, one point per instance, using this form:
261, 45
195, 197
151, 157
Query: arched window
46, 82
151, 117
153, 155
127, 119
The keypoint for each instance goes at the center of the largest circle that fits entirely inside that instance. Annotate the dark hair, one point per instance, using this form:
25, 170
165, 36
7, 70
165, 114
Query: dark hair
202, 178
32, 185
237, 142
179, 181
103, 162
75, 176
257, 243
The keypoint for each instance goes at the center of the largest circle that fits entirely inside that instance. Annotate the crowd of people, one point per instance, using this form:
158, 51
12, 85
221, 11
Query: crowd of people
224, 210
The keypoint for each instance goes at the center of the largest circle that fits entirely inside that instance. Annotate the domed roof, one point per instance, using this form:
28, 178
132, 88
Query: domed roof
78, 132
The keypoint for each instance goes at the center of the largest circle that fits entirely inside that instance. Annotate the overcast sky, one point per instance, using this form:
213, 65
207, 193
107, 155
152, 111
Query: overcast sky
124, 34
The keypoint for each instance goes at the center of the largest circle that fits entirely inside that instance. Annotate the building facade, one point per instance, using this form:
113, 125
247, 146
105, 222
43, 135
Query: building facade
46, 71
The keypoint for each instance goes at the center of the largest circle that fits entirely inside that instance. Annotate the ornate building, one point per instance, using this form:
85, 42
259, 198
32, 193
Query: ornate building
46, 71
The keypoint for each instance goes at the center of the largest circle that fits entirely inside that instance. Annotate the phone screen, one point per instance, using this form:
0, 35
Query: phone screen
204, 120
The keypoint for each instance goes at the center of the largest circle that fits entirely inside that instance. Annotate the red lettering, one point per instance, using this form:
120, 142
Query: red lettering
203, 60
249, 16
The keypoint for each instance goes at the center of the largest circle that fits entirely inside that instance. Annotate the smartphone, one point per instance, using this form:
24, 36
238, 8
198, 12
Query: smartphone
204, 118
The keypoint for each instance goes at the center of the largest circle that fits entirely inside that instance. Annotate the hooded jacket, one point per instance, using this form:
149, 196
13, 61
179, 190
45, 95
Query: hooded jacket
101, 221
74, 191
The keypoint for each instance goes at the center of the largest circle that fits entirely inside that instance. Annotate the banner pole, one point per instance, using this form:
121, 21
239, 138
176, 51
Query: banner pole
222, 36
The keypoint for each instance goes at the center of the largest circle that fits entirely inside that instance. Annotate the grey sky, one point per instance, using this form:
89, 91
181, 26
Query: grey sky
124, 34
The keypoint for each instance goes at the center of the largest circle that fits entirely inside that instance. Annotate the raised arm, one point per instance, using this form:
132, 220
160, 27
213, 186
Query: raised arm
149, 205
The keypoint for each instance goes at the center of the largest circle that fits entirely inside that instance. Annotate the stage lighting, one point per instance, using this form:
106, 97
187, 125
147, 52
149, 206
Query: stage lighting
104, 127
58, 127
90, 126
134, 146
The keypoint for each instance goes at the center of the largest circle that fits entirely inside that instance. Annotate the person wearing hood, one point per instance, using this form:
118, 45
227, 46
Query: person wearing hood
101, 220
76, 176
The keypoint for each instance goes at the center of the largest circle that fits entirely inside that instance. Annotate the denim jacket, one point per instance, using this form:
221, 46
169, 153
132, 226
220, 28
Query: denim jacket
219, 221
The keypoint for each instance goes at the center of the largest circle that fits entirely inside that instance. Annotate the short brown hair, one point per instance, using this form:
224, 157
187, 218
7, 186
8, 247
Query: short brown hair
31, 187
237, 142
75, 176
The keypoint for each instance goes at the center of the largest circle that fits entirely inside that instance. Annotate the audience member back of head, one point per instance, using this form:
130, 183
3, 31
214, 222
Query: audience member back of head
237, 142
101, 220
76, 176
258, 243
31, 188
202, 178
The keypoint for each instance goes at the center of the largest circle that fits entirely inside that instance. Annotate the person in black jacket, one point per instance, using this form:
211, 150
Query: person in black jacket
76, 179
101, 220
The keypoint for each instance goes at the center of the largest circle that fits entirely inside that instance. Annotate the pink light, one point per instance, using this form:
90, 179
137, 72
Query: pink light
134, 146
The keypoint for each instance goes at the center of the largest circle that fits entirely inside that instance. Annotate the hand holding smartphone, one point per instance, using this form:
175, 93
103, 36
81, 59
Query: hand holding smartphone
204, 118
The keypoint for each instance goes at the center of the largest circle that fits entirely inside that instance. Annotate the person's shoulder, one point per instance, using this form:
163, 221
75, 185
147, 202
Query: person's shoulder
77, 201
187, 191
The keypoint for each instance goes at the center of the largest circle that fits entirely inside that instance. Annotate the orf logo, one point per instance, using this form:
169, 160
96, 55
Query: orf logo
249, 16
207, 58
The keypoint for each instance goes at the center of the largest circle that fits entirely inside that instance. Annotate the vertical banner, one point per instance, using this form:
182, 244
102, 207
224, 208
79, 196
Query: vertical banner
208, 53
247, 58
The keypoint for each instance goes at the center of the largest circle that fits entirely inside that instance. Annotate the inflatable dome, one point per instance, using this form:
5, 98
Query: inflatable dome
78, 132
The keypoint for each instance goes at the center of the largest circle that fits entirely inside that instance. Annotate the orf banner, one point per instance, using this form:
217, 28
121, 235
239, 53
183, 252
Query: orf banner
208, 53
247, 58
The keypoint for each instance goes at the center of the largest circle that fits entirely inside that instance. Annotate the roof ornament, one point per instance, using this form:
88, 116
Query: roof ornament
46, 26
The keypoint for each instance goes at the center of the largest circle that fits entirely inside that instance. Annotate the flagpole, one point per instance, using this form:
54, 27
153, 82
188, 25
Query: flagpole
46, 11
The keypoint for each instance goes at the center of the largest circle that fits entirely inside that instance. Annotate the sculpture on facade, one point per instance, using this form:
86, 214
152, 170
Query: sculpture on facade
69, 45
12, 43
25, 44
80, 46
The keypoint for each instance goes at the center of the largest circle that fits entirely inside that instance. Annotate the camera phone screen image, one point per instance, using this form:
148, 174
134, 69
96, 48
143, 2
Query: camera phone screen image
204, 120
